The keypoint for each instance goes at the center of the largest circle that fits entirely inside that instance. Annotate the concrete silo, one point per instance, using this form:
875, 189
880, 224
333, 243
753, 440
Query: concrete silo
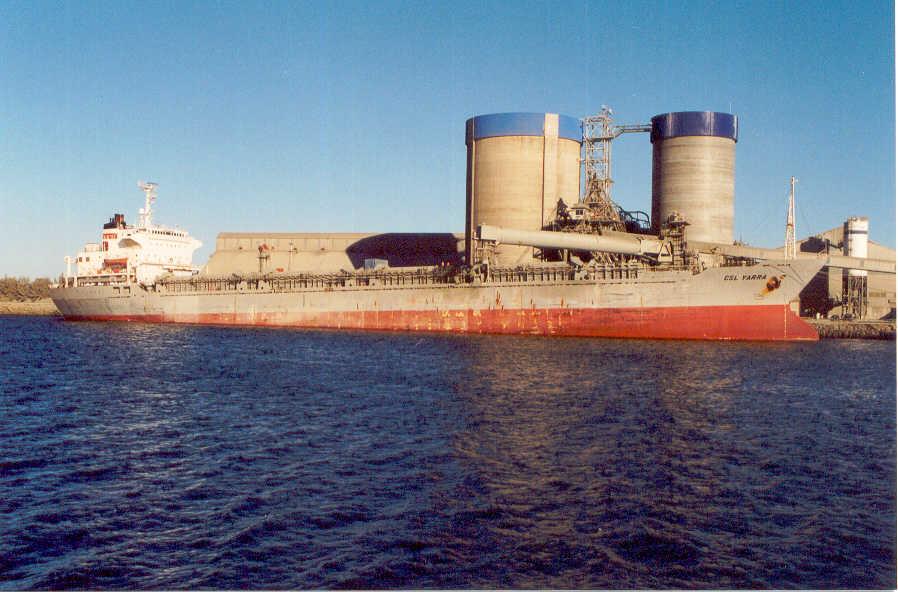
519, 165
854, 281
856, 231
693, 166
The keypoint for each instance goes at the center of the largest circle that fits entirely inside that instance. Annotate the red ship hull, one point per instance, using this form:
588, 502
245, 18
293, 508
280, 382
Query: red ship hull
748, 323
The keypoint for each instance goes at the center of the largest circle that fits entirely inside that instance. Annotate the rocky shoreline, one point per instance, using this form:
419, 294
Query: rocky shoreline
831, 329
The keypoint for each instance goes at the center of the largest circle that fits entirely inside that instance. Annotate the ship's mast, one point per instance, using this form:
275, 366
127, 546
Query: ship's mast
146, 213
789, 248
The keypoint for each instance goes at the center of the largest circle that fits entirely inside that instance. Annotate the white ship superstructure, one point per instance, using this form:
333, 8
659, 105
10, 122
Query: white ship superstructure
138, 253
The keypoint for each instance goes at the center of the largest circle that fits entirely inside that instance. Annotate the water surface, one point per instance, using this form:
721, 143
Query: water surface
159, 456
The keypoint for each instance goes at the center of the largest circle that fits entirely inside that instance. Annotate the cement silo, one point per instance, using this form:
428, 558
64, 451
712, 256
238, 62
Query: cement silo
519, 165
693, 166
856, 231
854, 281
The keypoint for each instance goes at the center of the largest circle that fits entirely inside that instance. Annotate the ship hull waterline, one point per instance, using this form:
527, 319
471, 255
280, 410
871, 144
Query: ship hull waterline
748, 323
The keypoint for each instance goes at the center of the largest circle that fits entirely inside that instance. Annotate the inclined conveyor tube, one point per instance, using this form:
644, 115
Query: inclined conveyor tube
611, 242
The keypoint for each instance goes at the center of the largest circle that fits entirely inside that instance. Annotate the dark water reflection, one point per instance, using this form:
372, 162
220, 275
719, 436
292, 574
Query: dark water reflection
155, 456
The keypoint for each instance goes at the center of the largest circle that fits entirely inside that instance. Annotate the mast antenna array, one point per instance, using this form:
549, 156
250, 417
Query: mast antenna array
146, 213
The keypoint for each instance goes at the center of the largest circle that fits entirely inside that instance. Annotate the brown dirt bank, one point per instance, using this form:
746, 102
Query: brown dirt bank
39, 307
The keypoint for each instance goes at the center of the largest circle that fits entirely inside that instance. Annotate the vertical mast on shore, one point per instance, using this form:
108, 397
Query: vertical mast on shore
789, 248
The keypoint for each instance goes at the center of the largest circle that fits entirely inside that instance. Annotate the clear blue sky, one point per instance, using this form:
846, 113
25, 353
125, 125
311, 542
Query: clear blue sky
334, 116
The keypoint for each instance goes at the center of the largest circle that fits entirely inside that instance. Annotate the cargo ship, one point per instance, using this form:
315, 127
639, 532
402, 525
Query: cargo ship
537, 257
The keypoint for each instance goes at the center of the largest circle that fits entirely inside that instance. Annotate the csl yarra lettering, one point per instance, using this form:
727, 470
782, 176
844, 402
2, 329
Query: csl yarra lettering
745, 276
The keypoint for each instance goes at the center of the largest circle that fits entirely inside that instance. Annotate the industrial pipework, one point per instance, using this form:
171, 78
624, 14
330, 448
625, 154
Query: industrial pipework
609, 241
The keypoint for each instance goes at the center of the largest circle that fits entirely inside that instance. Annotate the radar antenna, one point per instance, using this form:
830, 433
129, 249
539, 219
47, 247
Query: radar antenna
146, 213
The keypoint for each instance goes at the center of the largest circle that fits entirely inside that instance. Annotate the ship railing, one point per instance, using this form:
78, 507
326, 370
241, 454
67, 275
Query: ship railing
387, 278
590, 273
285, 282
104, 279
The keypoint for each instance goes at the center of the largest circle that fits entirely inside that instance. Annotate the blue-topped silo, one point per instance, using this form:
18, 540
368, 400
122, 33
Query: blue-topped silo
519, 165
693, 172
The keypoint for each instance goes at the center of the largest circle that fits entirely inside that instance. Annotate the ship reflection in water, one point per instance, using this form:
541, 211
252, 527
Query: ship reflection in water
185, 457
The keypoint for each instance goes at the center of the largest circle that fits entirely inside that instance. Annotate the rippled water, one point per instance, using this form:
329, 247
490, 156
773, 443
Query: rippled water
142, 456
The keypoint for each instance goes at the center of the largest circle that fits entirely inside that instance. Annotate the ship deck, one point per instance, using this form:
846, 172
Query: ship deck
417, 278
